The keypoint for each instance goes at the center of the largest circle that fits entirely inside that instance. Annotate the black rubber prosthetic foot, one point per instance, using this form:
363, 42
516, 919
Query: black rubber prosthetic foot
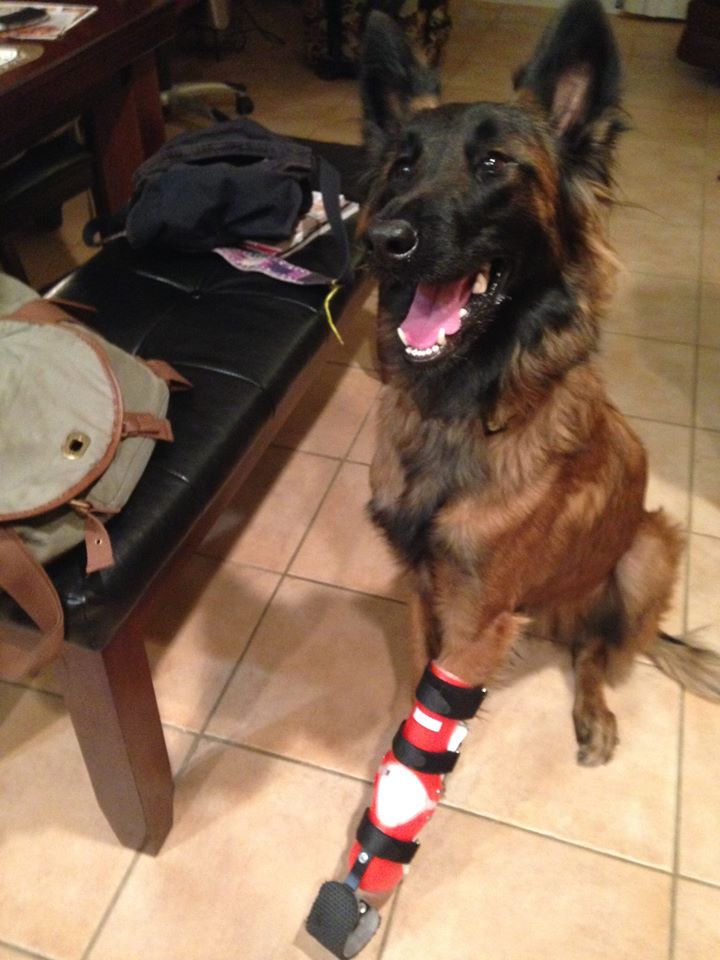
340, 921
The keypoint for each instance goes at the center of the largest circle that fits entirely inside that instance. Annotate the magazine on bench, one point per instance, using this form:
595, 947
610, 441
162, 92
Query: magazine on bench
52, 20
271, 258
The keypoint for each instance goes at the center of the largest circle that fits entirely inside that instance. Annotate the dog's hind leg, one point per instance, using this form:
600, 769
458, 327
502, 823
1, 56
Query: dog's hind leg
595, 723
623, 622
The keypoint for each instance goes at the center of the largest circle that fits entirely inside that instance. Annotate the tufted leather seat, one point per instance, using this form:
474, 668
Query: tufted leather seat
241, 339
248, 345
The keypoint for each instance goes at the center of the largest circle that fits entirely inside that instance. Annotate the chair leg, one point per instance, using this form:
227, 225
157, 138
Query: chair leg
111, 700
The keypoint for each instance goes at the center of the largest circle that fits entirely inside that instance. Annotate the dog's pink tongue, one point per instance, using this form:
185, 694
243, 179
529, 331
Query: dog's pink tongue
433, 308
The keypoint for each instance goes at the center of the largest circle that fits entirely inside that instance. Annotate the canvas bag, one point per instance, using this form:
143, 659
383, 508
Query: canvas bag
79, 418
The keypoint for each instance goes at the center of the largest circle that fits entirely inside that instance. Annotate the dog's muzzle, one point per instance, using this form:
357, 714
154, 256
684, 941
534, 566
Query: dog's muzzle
391, 240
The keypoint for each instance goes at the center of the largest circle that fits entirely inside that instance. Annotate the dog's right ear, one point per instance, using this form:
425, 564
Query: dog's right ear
393, 83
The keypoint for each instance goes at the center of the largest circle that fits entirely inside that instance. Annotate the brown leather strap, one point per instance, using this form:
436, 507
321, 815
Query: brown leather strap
98, 547
174, 380
23, 650
97, 544
146, 425
40, 310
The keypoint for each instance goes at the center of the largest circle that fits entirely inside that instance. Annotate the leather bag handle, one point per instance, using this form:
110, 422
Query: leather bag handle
23, 650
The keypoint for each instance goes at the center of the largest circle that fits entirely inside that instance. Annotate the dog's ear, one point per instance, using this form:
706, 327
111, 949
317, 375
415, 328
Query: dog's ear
575, 70
393, 82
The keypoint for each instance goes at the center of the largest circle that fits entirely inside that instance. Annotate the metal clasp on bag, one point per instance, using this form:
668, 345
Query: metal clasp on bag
76, 443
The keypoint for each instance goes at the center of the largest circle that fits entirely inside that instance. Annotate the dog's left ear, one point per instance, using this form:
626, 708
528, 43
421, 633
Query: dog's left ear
393, 82
575, 70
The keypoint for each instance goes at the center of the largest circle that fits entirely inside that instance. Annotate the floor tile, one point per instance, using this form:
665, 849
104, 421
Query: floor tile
700, 798
648, 191
649, 378
663, 126
697, 923
363, 449
9, 953
648, 305
518, 764
331, 412
668, 449
342, 546
199, 626
706, 484
654, 84
703, 593
711, 254
358, 348
254, 839
648, 243
266, 522
709, 335
707, 413
477, 886
57, 849
326, 679
49, 255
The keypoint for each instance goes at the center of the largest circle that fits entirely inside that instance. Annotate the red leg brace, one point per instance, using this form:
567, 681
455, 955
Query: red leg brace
408, 784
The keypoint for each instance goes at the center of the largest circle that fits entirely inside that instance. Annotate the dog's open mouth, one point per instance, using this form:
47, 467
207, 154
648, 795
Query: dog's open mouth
438, 313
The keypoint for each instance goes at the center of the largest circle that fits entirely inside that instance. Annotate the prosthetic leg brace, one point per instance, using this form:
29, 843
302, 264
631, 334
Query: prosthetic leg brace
406, 791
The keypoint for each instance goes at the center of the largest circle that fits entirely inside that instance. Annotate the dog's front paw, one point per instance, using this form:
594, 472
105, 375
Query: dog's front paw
596, 733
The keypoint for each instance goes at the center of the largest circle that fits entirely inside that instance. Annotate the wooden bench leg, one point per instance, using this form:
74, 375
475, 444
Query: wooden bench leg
112, 704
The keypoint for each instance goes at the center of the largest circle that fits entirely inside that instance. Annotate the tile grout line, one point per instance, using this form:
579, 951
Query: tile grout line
563, 841
23, 951
283, 575
672, 939
110, 907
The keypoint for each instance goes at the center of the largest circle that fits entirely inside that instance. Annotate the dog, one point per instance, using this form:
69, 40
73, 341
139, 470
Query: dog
508, 485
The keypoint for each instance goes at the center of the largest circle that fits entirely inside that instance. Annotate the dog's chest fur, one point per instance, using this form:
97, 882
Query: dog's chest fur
421, 466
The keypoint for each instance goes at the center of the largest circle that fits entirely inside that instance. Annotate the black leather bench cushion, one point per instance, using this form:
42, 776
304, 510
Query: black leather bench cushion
241, 339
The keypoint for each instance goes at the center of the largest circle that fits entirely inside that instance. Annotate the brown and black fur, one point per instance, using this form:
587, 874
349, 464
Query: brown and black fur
507, 483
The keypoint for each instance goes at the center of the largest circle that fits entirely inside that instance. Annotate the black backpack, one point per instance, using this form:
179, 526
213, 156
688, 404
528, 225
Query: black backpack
217, 187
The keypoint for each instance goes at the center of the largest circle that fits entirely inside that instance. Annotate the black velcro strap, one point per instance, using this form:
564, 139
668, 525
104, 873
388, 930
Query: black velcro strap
425, 761
447, 700
379, 844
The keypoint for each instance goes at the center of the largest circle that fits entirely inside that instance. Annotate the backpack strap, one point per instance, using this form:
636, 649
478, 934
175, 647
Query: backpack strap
25, 580
330, 188
162, 369
146, 425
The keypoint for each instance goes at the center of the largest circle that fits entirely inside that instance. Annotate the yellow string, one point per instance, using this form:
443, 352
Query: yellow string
333, 290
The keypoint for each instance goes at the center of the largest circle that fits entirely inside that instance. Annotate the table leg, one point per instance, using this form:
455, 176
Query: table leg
110, 697
124, 131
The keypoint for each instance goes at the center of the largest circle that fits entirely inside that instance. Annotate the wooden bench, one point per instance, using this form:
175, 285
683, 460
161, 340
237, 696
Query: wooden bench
250, 346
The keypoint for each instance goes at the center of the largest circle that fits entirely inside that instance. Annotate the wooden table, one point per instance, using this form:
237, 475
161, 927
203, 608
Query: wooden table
103, 69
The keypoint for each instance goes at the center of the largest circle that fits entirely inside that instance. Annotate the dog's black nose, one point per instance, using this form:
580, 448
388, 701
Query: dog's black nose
392, 239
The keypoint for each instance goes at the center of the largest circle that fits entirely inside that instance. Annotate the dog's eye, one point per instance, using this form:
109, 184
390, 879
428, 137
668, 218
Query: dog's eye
493, 163
403, 167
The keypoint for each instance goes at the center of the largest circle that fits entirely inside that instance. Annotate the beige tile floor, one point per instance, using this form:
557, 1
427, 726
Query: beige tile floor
278, 650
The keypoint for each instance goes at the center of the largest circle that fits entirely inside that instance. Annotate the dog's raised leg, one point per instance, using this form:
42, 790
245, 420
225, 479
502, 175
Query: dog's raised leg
595, 723
406, 791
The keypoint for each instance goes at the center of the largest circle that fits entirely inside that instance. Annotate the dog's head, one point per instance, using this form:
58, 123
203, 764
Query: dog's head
481, 216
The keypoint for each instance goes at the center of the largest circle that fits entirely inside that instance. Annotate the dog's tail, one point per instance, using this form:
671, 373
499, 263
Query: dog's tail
695, 666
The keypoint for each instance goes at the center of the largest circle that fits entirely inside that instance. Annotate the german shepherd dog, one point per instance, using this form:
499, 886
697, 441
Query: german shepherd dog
504, 479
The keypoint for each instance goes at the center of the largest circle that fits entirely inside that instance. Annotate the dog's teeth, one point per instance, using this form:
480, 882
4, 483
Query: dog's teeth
402, 337
464, 312
481, 283
435, 349
441, 335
